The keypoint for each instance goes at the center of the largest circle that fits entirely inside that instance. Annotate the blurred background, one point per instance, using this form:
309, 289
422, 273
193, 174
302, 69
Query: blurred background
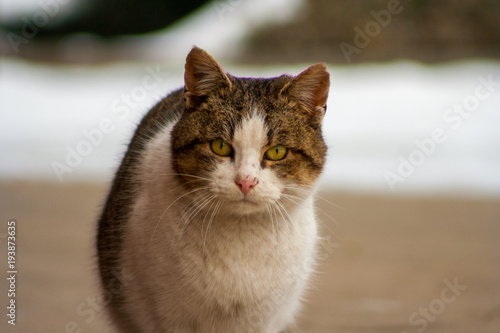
411, 193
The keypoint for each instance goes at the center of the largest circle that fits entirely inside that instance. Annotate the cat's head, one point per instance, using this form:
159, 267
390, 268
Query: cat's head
248, 142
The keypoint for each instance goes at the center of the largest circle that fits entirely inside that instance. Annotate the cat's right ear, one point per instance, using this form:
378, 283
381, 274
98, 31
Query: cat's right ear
202, 76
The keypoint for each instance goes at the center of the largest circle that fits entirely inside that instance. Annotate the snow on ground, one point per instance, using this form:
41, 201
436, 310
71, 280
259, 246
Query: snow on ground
398, 127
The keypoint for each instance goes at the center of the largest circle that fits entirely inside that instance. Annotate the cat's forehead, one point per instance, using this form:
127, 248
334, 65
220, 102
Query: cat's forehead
251, 132
247, 94
250, 98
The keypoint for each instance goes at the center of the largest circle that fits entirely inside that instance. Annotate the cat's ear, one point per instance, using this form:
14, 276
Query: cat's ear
310, 88
203, 74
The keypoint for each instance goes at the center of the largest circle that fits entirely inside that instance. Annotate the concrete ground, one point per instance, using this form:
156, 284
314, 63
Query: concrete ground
388, 264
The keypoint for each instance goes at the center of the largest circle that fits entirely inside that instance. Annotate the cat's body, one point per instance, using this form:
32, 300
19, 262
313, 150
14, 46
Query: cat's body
209, 226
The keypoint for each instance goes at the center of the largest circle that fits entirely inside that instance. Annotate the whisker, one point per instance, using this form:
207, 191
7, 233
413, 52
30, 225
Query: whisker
327, 215
205, 218
292, 198
212, 208
194, 205
188, 175
173, 202
279, 208
296, 200
195, 208
196, 179
214, 213
330, 203
270, 208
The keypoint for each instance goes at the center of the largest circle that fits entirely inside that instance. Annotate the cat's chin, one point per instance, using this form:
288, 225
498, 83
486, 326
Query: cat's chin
243, 207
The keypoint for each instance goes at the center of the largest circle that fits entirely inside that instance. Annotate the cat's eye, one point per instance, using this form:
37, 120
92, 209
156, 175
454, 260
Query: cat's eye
276, 153
221, 148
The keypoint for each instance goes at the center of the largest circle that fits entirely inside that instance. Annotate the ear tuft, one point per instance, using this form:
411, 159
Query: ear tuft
310, 88
203, 74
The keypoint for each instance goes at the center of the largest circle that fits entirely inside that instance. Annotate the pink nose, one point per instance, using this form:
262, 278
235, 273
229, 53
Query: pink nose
246, 183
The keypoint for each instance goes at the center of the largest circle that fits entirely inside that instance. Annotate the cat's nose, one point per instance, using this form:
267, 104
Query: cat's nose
246, 183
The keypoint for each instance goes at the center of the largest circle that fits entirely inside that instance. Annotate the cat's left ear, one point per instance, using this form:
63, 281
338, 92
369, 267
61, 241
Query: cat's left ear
310, 89
203, 75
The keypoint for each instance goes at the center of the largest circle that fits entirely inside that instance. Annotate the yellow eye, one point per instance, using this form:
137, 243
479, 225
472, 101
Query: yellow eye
276, 153
221, 148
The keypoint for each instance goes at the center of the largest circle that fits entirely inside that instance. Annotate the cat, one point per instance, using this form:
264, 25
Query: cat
210, 225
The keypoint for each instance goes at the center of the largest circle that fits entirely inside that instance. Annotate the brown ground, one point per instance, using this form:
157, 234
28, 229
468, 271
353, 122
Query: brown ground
383, 260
